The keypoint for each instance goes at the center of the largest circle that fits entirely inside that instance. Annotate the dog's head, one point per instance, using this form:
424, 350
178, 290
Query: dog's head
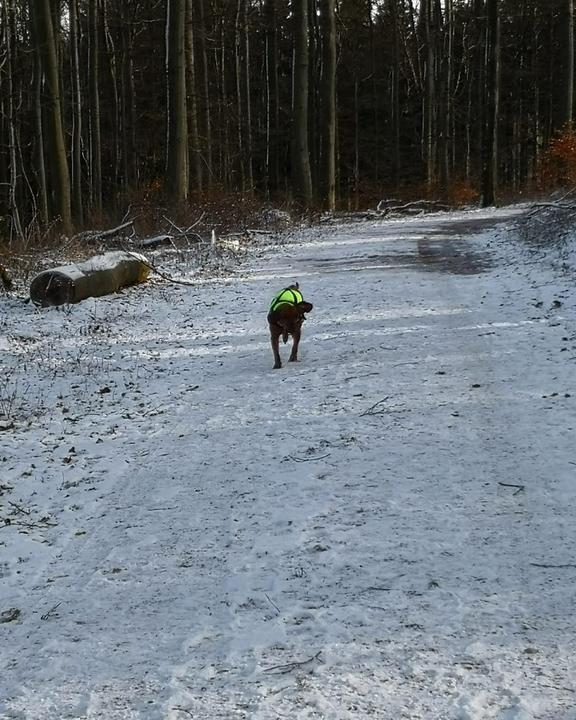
304, 307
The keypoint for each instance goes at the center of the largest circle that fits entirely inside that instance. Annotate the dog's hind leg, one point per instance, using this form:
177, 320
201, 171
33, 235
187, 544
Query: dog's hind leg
295, 342
275, 342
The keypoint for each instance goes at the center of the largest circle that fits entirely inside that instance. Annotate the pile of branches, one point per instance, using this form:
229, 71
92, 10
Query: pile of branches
549, 221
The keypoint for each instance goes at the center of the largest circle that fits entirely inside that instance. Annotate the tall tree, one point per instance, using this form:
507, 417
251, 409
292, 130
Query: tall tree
301, 175
238, 64
568, 24
94, 83
77, 114
327, 12
8, 27
272, 100
46, 38
490, 135
206, 95
177, 150
192, 86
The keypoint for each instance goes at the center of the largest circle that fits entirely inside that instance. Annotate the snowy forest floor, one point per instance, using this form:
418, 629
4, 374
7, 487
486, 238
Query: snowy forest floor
383, 530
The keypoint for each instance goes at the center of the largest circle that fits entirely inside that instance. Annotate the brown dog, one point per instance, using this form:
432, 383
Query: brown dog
285, 318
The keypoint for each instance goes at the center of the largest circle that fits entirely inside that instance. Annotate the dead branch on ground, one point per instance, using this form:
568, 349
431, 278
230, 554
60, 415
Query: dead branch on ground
51, 612
376, 409
385, 207
289, 667
98, 235
519, 489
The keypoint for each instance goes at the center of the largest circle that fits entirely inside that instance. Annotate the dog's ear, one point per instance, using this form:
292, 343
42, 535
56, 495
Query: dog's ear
304, 307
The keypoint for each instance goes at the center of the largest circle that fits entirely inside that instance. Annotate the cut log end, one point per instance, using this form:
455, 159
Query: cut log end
52, 288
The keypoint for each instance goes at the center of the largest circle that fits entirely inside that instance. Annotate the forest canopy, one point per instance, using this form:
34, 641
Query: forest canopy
327, 102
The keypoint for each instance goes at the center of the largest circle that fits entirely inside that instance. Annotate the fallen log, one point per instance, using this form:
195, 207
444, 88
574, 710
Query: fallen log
152, 242
386, 207
101, 275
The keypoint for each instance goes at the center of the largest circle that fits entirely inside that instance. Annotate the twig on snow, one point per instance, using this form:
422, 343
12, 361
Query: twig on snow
272, 603
559, 687
19, 509
288, 667
181, 709
554, 567
50, 612
374, 409
316, 457
519, 489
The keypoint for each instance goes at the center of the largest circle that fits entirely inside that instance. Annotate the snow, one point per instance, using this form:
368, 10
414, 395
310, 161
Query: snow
384, 529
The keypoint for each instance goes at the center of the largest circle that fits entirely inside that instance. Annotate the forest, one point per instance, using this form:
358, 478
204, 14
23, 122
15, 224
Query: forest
323, 103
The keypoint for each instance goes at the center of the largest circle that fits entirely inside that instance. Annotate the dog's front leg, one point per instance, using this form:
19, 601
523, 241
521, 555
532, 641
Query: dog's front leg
295, 342
275, 342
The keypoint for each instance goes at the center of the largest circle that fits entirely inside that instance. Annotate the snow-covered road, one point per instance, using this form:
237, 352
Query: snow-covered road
384, 530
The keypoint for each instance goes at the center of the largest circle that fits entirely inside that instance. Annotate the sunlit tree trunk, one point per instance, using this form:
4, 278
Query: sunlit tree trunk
46, 38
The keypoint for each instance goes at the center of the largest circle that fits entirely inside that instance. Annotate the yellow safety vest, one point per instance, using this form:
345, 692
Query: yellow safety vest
288, 296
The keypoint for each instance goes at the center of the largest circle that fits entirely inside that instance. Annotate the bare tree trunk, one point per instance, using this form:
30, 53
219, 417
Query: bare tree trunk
177, 162
195, 151
60, 178
39, 124
328, 104
206, 95
301, 176
127, 111
448, 145
490, 139
114, 68
430, 92
272, 103
77, 114
13, 188
94, 82
569, 55
239, 104
356, 145
249, 149
226, 131
396, 97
